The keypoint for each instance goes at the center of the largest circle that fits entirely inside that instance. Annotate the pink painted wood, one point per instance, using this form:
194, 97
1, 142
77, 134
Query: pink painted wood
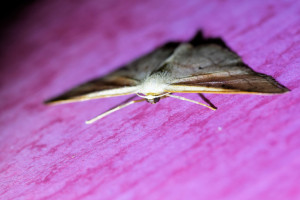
248, 149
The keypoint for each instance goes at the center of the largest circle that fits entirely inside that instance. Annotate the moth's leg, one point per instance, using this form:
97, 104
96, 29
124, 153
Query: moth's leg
207, 100
122, 105
185, 99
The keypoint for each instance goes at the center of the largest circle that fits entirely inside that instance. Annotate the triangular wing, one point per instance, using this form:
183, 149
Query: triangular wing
212, 68
123, 81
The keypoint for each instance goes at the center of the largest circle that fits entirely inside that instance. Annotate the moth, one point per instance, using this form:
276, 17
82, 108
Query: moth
196, 66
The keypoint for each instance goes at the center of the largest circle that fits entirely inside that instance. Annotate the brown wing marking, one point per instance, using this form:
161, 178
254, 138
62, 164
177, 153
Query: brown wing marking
254, 83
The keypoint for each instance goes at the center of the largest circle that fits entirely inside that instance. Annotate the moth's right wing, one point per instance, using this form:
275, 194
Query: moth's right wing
123, 81
210, 68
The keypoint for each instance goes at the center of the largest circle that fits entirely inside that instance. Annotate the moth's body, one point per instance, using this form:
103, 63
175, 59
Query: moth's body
195, 67
154, 85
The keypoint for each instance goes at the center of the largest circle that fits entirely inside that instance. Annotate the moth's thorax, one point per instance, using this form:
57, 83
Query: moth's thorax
153, 85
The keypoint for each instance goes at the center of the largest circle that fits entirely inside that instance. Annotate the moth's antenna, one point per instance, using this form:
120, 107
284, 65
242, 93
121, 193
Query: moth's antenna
185, 99
113, 110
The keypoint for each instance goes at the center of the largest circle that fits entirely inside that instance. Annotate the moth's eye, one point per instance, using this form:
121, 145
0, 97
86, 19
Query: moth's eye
155, 100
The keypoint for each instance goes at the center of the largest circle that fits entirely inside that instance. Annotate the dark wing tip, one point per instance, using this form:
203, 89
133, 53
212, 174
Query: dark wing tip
52, 101
285, 89
64, 98
47, 102
278, 88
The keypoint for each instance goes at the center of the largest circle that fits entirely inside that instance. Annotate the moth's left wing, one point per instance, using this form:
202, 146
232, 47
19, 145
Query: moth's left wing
122, 81
97, 88
210, 68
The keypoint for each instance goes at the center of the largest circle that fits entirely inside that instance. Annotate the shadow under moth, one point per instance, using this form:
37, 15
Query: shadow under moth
197, 66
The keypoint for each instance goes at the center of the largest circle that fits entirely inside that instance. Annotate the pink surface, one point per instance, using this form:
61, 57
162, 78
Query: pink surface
248, 149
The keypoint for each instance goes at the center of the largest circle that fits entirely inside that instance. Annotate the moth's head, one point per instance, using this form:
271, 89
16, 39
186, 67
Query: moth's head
151, 98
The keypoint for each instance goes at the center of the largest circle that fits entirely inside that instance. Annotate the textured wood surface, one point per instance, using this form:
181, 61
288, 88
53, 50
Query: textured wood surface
248, 149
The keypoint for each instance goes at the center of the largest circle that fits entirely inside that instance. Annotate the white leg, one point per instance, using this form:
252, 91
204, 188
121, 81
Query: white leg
185, 99
113, 110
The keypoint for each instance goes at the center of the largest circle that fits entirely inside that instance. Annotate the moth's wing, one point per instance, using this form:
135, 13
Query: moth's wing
211, 68
123, 81
98, 88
